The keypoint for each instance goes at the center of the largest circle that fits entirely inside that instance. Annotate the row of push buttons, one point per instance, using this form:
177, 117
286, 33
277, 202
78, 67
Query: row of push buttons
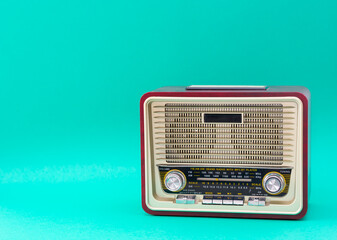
223, 200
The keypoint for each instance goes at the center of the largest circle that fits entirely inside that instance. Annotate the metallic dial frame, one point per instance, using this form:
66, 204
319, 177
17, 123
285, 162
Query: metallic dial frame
279, 177
180, 174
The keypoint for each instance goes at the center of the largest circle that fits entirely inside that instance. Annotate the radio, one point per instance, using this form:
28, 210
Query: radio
225, 151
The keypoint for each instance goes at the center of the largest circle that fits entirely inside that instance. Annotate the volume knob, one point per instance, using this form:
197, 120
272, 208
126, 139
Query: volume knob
273, 183
175, 181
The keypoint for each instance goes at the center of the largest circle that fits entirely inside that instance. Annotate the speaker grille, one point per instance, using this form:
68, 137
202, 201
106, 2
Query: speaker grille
264, 137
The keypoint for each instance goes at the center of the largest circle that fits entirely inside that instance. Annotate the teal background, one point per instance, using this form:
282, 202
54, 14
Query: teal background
72, 74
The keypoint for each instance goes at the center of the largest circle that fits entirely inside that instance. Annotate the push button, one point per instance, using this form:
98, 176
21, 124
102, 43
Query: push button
253, 201
217, 200
207, 200
262, 201
185, 199
190, 199
181, 199
227, 200
238, 201
257, 201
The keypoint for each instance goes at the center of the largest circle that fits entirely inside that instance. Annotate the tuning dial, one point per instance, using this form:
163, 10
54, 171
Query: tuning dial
175, 181
273, 183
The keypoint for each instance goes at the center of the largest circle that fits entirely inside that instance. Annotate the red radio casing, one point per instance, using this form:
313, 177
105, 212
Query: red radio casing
300, 92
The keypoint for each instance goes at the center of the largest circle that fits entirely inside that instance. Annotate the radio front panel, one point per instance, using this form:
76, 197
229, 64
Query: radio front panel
224, 154
225, 180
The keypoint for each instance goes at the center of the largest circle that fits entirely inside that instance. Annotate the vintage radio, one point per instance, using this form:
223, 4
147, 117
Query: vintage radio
225, 151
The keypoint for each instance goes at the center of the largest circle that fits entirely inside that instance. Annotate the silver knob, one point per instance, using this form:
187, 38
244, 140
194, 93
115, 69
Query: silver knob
175, 181
273, 183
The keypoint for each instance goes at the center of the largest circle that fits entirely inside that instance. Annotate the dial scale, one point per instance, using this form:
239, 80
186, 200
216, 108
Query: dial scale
225, 180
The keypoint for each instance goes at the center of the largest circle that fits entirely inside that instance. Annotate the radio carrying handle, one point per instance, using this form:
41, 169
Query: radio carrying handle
225, 87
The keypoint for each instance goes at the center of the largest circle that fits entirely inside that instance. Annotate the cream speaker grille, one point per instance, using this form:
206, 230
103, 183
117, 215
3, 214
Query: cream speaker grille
255, 134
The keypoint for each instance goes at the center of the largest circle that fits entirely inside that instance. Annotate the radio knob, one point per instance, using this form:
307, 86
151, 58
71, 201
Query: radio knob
175, 181
273, 183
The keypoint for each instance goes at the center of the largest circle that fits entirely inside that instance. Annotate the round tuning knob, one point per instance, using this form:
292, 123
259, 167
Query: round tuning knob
273, 183
175, 181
